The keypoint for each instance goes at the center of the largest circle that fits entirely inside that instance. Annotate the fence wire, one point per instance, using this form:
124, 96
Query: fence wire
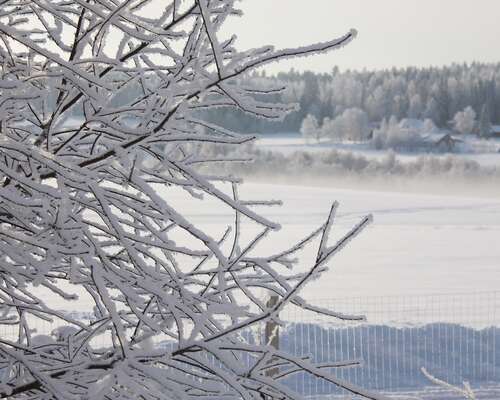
455, 337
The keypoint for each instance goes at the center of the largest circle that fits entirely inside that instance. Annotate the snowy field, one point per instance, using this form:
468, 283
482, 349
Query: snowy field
485, 152
418, 244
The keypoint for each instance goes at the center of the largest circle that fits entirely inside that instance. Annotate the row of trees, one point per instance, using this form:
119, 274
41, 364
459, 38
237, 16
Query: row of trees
352, 124
419, 93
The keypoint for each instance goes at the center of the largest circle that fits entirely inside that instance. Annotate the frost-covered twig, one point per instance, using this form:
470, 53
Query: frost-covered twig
466, 391
87, 168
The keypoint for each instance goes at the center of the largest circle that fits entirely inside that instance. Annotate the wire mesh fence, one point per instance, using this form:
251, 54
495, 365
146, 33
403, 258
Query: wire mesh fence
456, 337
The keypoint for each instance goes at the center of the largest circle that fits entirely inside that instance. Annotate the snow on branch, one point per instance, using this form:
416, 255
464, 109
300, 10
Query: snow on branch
87, 221
466, 392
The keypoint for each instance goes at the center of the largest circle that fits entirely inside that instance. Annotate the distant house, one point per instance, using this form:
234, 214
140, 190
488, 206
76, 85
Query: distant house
495, 131
442, 142
447, 143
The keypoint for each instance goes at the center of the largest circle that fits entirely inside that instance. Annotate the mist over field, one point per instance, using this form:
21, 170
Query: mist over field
274, 160
404, 129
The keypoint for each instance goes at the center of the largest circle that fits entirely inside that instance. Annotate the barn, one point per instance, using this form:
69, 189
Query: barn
442, 142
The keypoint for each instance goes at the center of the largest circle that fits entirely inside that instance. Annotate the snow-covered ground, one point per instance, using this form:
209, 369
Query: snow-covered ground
485, 152
418, 244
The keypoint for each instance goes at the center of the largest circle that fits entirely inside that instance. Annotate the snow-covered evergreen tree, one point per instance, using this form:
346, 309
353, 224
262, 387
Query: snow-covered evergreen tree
484, 124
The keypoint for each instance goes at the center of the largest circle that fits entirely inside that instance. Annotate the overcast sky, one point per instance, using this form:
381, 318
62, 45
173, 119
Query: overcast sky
391, 32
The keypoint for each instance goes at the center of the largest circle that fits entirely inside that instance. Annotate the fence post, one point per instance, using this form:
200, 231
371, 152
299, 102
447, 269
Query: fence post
272, 336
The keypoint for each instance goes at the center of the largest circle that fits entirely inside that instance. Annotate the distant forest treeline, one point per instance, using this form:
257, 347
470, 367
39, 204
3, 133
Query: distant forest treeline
423, 93
437, 94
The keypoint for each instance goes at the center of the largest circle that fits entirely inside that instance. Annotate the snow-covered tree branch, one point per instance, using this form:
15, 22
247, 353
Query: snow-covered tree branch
85, 215
466, 392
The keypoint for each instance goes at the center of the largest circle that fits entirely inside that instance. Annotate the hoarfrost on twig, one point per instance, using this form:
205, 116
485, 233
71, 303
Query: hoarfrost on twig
83, 165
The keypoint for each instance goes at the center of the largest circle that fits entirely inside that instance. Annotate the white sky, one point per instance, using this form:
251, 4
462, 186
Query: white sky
391, 32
